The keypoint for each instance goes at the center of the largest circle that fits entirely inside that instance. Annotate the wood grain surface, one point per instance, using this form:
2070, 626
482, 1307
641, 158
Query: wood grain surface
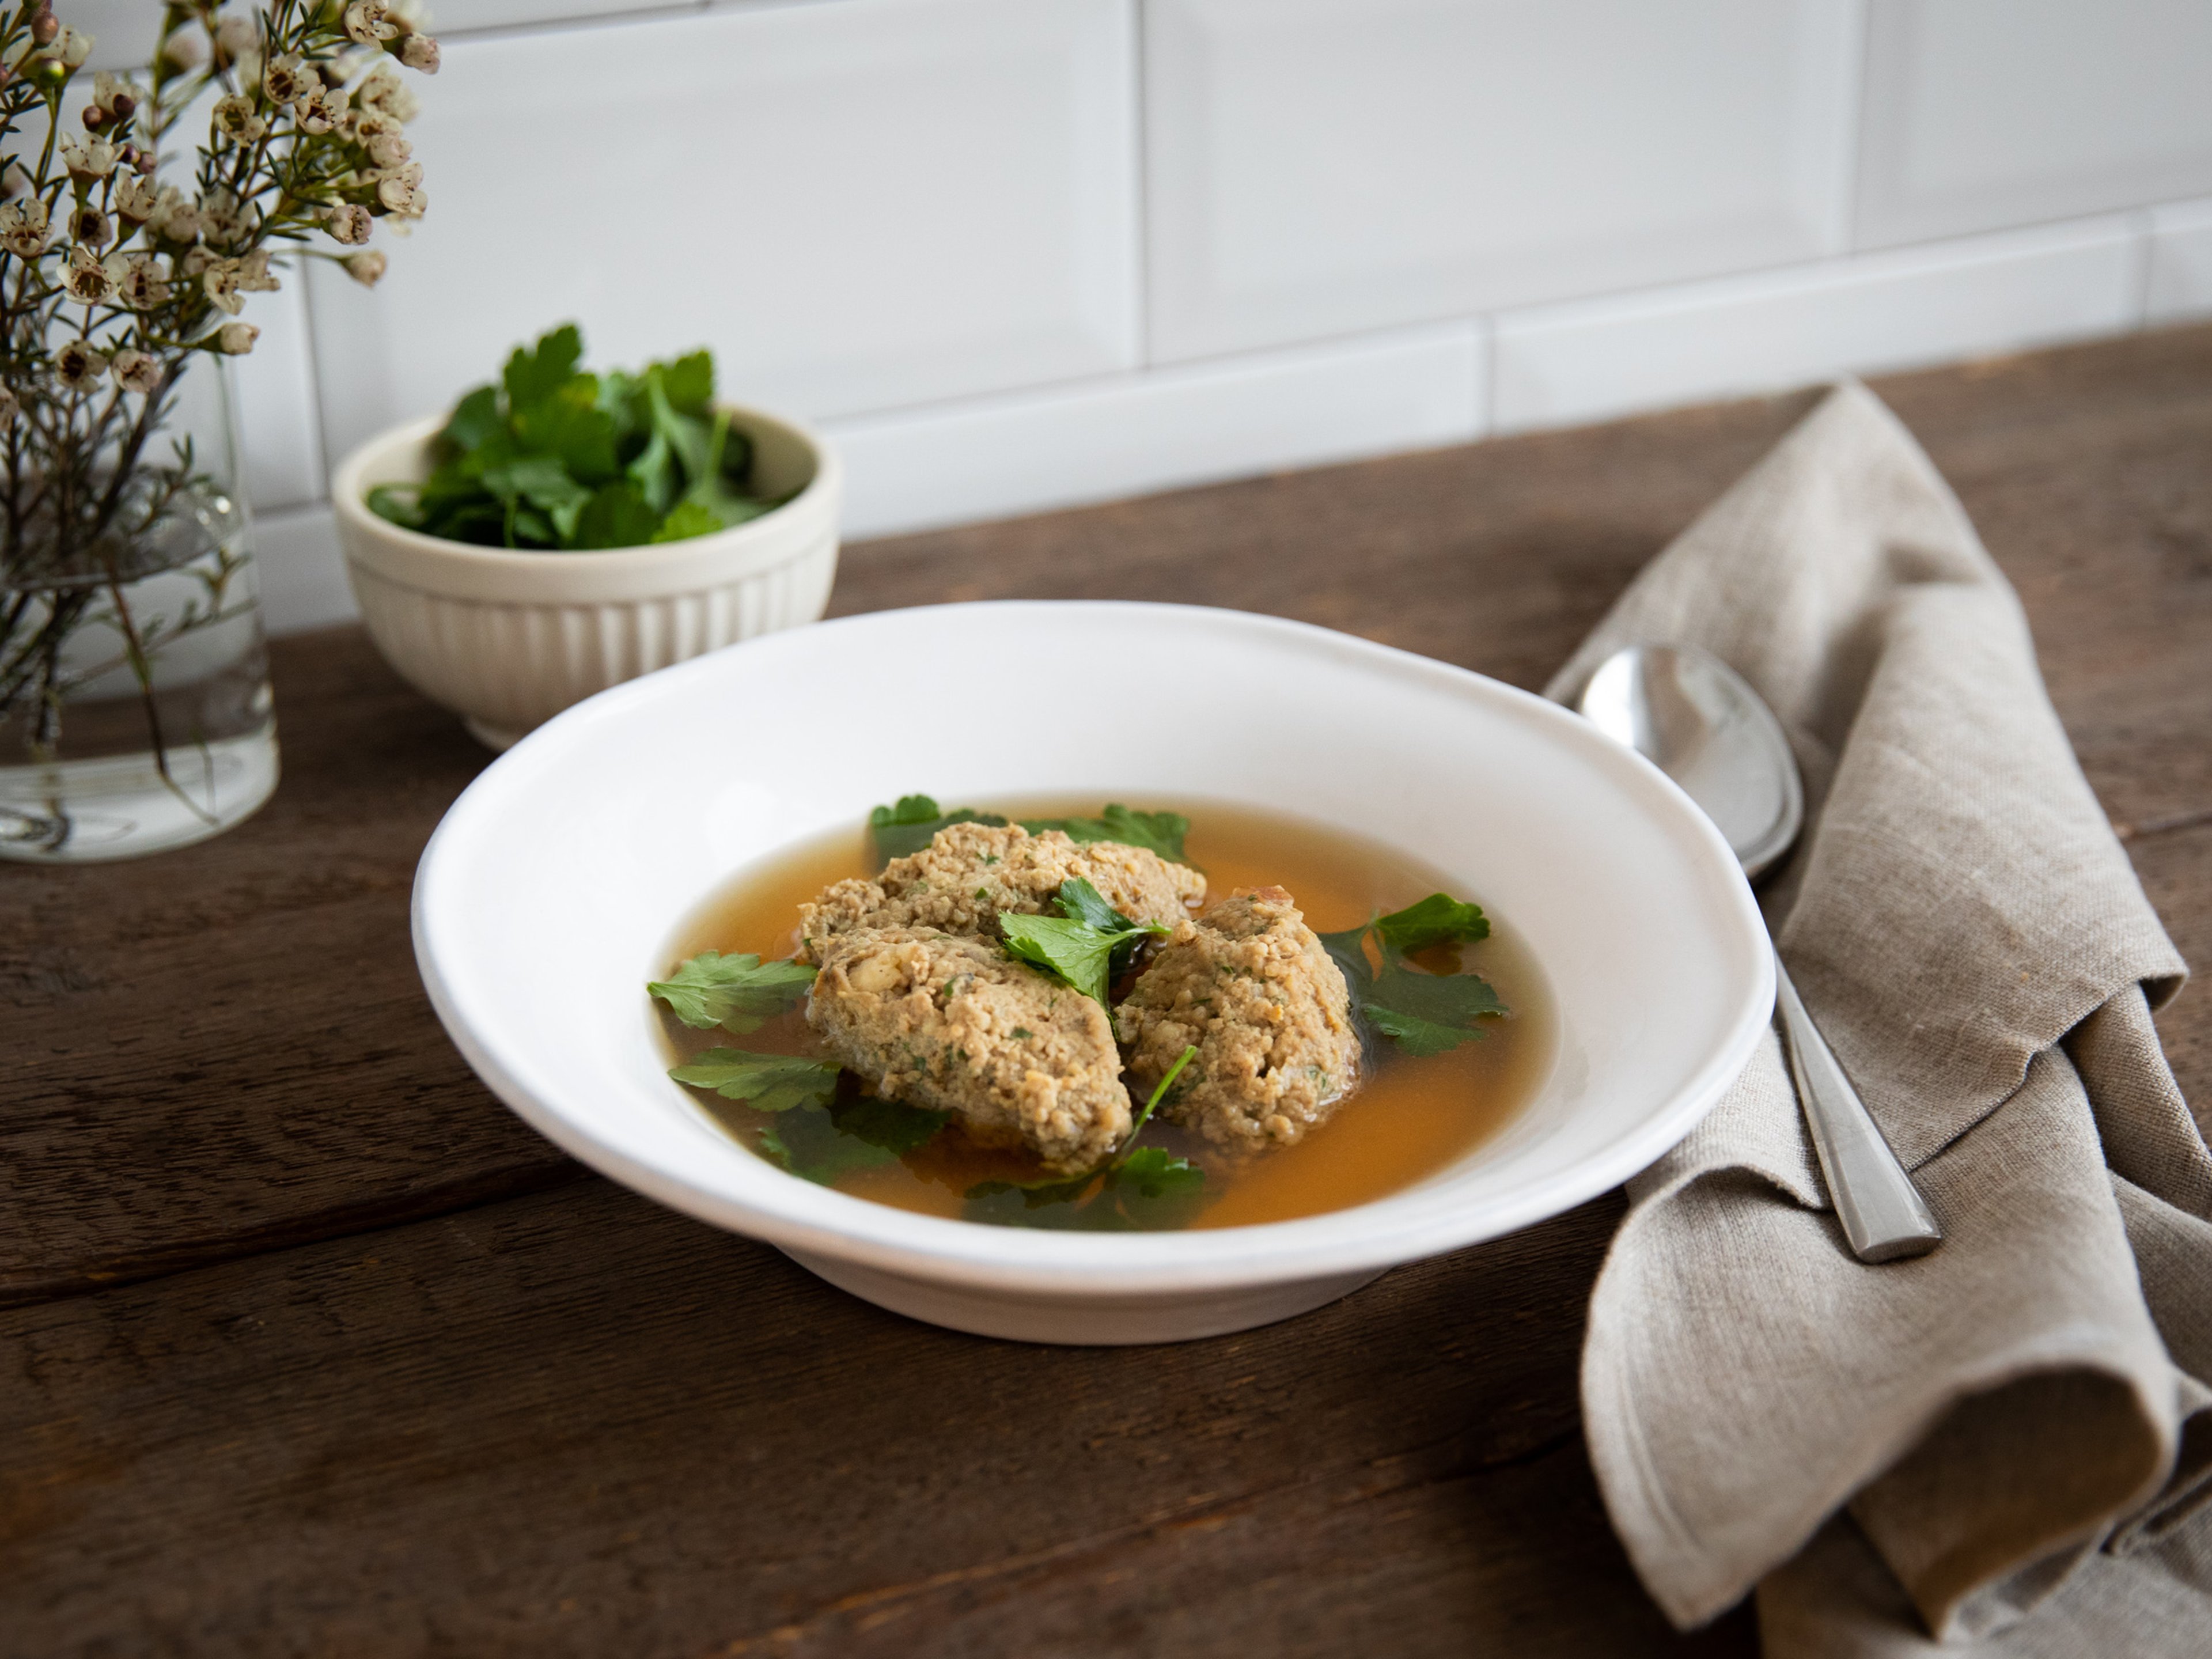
310, 1346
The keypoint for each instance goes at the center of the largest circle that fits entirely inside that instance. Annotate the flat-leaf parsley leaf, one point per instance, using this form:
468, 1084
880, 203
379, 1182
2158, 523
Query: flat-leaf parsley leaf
738, 993
1080, 944
811, 1146
767, 1083
1423, 1014
1436, 920
907, 828
1429, 1014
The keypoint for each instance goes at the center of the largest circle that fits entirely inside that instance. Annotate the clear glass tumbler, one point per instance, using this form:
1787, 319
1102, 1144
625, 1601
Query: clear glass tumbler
135, 708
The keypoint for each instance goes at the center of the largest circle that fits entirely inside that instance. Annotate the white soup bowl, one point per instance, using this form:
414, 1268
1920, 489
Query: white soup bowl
557, 885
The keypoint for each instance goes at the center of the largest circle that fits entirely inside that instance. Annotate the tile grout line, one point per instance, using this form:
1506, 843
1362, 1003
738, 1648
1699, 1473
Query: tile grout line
1140, 188
324, 465
2146, 249
1854, 150
1486, 376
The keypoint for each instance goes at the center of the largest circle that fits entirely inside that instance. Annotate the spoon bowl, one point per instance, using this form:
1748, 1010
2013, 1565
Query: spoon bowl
1704, 727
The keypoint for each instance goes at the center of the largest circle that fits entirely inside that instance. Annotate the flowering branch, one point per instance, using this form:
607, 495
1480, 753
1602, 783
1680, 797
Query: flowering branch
115, 278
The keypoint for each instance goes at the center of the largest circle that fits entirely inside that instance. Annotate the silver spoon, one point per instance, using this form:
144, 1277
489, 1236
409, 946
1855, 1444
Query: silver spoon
1701, 723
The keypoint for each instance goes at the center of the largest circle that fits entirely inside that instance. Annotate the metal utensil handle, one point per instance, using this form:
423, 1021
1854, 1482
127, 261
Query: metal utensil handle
1884, 1216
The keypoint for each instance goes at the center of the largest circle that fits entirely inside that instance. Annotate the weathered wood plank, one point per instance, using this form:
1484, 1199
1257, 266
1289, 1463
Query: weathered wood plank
577, 1422
228, 1047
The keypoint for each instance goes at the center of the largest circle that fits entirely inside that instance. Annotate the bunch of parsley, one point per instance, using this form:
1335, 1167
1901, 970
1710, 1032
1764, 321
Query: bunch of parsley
553, 458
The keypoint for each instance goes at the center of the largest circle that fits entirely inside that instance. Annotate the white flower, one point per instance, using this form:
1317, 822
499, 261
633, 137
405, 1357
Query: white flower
87, 158
286, 81
226, 220
254, 275
387, 94
73, 48
350, 224
87, 278
77, 366
320, 109
195, 260
236, 339
372, 123
420, 52
175, 220
367, 25
134, 371
219, 281
140, 284
185, 50
23, 228
238, 34
115, 95
388, 150
137, 200
234, 117
367, 269
89, 226
397, 192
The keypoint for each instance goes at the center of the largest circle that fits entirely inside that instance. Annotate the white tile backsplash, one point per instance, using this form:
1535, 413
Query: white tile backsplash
274, 385
1021, 253
1319, 166
1193, 424
1560, 365
303, 579
2180, 278
858, 205
1980, 113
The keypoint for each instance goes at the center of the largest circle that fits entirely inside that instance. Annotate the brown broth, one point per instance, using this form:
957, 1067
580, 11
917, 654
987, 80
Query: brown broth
1407, 1120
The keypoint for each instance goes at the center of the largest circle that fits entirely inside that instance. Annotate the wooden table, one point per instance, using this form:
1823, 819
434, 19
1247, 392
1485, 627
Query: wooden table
310, 1346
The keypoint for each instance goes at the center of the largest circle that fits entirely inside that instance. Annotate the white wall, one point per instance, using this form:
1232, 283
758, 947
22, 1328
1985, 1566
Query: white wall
1021, 253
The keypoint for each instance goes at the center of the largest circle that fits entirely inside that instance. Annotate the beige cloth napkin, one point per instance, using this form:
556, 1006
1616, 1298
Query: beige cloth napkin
2000, 1445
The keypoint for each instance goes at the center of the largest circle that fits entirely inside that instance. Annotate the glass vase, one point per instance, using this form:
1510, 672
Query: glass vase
135, 707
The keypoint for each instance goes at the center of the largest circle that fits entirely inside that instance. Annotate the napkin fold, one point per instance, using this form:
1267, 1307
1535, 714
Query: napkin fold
2002, 1444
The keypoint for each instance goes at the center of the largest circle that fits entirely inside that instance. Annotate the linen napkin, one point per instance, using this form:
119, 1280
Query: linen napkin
2002, 1444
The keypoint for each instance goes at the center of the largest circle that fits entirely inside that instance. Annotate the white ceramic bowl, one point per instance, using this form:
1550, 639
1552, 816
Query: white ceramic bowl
509, 639
554, 886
